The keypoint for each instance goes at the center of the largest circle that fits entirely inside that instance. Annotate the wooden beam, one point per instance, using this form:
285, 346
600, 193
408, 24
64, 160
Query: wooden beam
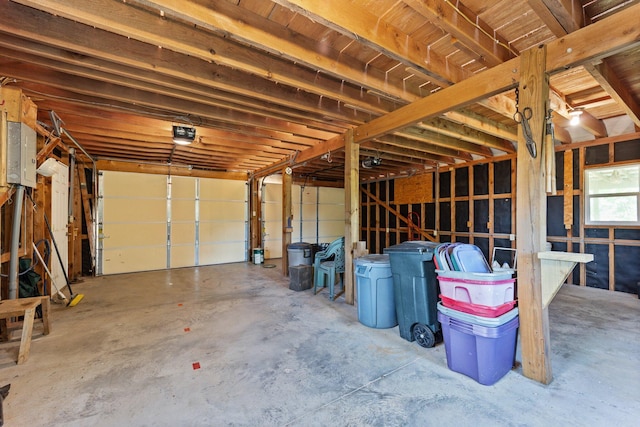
616, 88
124, 166
531, 220
436, 140
287, 217
560, 16
486, 83
576, 48
359, 23
125, 20
466, 27
255, 209
352, 213
482, 124
466, 133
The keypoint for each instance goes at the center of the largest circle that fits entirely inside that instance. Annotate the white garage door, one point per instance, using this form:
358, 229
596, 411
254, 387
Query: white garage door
152, 222
318, 215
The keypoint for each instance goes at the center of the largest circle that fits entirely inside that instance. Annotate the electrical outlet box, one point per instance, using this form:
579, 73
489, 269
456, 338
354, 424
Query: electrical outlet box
21, 154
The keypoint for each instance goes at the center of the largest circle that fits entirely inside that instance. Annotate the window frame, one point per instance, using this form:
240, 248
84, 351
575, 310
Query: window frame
588, 197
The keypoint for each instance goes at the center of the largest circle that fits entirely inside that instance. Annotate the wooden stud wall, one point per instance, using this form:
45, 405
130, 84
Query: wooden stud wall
575, 236
381, 228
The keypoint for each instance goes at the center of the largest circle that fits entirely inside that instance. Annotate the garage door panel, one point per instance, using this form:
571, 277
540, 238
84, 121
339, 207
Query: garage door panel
218, 253
129, 184
183, 187
219, 189
126, 260
218, 210
331, 195
328, 231
139, 213
133, 210
221, 231
331, 212
183, 210
182, 255
135, 234
183, 233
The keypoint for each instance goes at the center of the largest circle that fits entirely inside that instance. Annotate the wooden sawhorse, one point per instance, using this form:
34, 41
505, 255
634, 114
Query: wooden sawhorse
26, 307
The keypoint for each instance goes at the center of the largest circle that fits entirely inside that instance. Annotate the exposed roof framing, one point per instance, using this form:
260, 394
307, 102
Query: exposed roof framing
271, 83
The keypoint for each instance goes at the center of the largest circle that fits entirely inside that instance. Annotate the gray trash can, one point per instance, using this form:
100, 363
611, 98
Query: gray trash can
415, 290
299, 254
374, 282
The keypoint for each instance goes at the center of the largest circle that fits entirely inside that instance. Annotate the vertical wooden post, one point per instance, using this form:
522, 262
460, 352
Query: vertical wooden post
287, 218
254, 216
352, 211
531, 219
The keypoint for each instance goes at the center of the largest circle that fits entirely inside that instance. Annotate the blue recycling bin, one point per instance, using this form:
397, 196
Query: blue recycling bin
374, 285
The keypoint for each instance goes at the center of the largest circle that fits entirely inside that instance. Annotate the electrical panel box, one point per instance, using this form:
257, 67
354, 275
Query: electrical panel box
21, 154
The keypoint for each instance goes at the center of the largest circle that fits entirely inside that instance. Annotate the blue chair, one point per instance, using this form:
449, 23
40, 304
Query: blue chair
327, 264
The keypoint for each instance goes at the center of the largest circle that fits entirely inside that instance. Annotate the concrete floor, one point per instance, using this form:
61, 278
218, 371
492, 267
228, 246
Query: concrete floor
269, 356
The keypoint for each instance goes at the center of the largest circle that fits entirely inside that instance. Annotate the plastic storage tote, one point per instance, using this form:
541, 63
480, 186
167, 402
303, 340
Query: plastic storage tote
416, 290
483, 353
374, 283
477, 309
491, 293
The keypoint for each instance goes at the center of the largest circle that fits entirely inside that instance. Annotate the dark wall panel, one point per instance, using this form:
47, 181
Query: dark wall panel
555, 216
483, 244
560, 170
445, 185
462, 182
598, 269
502, 216
627, 276
627, 150
462, 215
502, 177
602, 233
430, 212
480, 216
445, 216
596, 155
576, 170
627, 234
481, 179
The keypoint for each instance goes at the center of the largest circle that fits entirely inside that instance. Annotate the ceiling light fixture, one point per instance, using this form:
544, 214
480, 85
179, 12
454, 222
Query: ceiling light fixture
183, 135
575, 117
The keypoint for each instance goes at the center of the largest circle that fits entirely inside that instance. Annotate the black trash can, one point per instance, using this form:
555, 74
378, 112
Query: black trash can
416, 291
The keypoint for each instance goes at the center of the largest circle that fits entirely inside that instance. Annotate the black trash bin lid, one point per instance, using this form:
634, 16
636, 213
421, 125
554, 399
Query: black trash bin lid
418, 246
299, 245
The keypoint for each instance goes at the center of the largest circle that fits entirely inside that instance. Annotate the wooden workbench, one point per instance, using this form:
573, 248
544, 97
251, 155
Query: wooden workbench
26, 307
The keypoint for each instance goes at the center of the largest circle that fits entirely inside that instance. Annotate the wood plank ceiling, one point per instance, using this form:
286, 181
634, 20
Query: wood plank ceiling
266, 83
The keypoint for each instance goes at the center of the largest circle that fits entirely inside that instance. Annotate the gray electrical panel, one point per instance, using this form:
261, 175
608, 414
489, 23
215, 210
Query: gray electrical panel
21, 154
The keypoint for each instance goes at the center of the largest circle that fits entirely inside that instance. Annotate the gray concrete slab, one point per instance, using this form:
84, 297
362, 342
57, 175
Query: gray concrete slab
274, 357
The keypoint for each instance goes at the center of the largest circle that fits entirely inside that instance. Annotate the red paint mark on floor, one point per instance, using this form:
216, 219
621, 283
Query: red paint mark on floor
187, 329
196, 365
180, 305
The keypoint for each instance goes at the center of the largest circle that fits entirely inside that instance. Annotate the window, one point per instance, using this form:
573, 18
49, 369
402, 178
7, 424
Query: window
612, 195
